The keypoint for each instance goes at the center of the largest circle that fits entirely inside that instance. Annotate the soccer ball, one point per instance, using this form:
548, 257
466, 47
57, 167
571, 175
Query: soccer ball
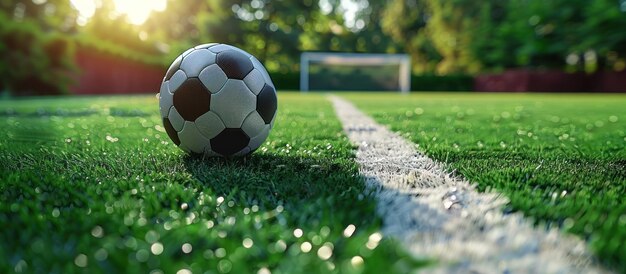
217, 100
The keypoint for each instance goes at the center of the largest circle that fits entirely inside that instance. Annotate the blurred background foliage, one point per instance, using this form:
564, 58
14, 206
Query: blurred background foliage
443, 37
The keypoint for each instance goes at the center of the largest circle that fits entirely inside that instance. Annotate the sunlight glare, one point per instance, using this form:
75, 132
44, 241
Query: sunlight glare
137, 11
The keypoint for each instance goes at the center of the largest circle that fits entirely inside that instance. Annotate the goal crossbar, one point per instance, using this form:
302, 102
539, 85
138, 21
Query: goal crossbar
365, 59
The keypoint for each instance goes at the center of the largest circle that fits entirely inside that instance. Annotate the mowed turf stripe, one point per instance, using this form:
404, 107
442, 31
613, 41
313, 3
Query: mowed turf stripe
437, 215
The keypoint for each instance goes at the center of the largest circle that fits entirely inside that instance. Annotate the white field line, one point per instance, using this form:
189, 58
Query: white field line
438, 216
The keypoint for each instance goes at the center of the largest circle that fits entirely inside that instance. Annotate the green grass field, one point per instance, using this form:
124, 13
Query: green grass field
560, 158
94, 183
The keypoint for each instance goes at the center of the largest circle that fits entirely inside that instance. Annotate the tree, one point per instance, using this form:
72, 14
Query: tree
49, 15
604, 21
436, 33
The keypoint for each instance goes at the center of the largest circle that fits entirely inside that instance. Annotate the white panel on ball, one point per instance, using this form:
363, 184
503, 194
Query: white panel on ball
213, 78
192, 138
209, 124
253, 124
242, 152
233, 103
255, 81
205, 46
184, 148
258, 140
176, 120
166, 100
222, 47
196, 61
209, 152
177, 80
257, 65
187, 52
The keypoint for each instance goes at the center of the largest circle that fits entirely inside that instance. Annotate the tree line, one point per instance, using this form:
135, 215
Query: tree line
442, 36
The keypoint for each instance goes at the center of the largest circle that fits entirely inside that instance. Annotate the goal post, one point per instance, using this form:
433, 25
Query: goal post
390, 71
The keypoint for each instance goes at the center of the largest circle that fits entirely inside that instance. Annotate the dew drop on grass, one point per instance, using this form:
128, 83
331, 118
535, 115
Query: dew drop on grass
21, 266
183, 271
230, 220
56, 213
349, 231
97, 231
568, 223
298, 233
156, 248
186, 248
316, 240
373, 240
220, 252
81, 260
111, 139
622, 219
209, 224
356, 261
325, 252
224, 266
247, 243
208, 254
142, 255
264, 270
131, 243
325, 231
101, 254
306, 247
280, 246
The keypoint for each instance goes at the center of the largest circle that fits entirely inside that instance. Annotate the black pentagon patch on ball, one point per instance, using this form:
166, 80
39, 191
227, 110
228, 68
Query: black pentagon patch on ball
266, 103
171, 131
235, 64
192, 99
173, 68
230, 141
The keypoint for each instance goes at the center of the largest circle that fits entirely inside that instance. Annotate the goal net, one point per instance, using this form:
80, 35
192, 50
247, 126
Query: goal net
354, 71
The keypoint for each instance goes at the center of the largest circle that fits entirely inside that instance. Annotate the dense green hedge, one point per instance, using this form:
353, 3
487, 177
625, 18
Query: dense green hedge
442, 83
121, 51
33, 62
291, 81
286, 81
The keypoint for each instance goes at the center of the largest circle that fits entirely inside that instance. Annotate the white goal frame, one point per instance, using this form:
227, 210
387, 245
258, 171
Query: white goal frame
335, 58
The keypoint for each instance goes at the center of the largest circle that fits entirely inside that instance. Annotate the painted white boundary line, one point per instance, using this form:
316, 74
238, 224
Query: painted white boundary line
438, 216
